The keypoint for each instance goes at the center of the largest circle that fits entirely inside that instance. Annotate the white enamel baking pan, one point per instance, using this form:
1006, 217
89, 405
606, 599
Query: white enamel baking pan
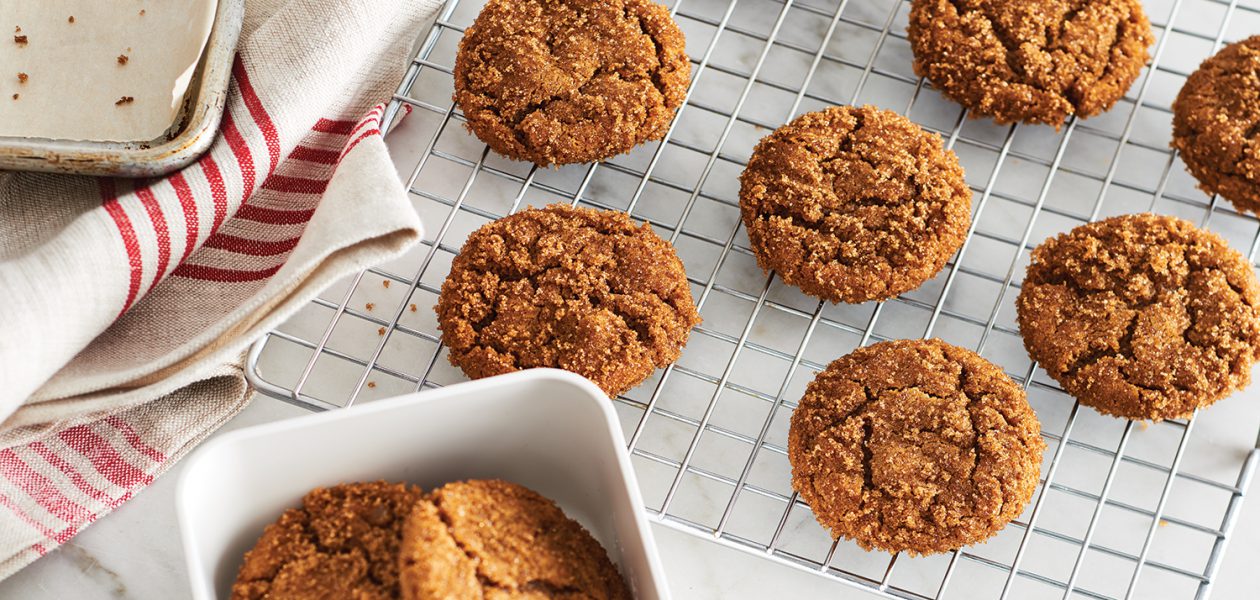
549, 430
190, 136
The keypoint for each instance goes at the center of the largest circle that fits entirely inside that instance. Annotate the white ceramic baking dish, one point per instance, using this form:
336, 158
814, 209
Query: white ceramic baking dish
546, 429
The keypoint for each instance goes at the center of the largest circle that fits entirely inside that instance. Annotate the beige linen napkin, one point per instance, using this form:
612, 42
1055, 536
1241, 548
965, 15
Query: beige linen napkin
127, 304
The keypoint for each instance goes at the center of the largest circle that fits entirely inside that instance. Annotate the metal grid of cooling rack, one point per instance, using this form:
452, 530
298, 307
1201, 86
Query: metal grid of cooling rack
1123, 510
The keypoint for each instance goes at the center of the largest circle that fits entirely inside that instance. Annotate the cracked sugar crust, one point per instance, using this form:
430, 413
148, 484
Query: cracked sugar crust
1030, 61
914, 446
854, 204
572, 288
570, 81
341, 543
1141, 316
1216, 124
497, 540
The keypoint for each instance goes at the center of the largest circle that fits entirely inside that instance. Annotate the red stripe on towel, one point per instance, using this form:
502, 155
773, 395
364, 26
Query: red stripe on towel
40, 488
133, 437
295, 185
205, 273
76, 477
251, 247
192, 221
104, 457
274, 216
163, 235
259, 112
109, 195
314, 155
240, 150
330, 126
217, 190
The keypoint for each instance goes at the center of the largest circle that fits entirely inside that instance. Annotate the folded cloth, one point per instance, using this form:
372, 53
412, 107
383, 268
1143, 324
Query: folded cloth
128, 304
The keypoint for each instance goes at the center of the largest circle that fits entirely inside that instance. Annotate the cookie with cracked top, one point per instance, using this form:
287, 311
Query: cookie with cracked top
914, 446
578, 289
341, 543
570, 81
854, 204
1216, 124
1141, 316
1030, 61
494, 539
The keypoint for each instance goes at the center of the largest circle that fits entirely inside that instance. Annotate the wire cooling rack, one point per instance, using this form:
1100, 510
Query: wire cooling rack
1124, 510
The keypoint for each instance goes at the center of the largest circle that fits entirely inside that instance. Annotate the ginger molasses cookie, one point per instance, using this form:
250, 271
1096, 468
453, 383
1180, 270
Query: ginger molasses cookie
1141, 316
569, 81
341, 543
1030, 61
854, 204
494, 539
571, 288
1216, 124
914, 446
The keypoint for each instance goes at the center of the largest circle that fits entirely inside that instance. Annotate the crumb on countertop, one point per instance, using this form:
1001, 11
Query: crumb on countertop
16, 96
20, 40
71, 19
124, 100
22, 77
123, 58
142, 12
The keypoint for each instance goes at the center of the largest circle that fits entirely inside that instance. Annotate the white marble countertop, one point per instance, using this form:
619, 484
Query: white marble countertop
135, 552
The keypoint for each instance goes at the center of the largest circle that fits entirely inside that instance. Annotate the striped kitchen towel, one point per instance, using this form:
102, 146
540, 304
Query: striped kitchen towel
128, 304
